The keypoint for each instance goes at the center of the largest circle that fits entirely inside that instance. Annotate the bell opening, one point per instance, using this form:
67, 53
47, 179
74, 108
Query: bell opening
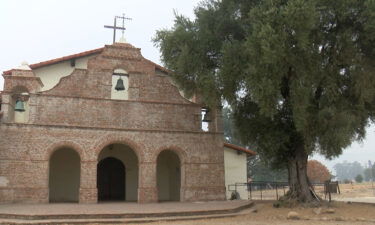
19, 107
120, 85
206, 116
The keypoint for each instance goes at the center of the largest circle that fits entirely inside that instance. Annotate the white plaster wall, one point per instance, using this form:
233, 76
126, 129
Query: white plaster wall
168, 176
51, 75
130, 161
182, 93
64, 176
235, 171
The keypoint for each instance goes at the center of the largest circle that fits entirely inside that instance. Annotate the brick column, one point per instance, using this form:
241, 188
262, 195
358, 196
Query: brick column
6, 108
88, 192
147, 187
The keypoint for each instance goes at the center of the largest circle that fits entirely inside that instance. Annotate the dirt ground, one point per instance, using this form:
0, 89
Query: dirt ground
356, 190
344, 212
266, 214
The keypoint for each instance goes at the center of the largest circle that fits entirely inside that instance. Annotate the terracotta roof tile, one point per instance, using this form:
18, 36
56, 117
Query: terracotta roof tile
239, 148
157, 66
61, 59
78, 55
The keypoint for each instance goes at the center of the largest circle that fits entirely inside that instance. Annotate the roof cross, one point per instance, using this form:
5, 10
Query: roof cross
115, 27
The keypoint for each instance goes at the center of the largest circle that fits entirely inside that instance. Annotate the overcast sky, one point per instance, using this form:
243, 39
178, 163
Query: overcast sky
39, 30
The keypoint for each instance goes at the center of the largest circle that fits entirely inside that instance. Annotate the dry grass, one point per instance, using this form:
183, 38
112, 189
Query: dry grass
353, 214
345, 214
354, 190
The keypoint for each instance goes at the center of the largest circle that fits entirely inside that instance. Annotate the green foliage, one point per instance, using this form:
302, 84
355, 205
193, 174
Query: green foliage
259, 170
298, 74
230, 132
369, 173
359, 178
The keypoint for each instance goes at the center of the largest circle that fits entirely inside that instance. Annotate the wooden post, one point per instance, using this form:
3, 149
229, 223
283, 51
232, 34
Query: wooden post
277, 194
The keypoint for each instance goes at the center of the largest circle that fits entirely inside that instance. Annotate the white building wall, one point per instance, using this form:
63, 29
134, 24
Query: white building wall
50, 75
235, 164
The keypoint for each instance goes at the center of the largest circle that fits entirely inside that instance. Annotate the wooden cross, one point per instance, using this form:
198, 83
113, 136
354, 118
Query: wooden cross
115, 27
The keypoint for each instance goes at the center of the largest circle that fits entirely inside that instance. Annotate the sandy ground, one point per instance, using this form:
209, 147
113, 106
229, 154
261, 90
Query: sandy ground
344, 213
344, 210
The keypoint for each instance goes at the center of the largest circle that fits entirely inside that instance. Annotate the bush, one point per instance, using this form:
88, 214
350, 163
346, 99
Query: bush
317, 172
359, 178
347, 181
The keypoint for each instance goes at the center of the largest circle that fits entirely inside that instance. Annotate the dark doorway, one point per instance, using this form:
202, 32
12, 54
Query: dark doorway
111, 180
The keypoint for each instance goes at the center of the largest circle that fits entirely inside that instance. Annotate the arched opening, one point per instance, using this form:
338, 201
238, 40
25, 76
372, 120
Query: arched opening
19, 110
64, 176
111, 180
120, 85
168, 176
117, 174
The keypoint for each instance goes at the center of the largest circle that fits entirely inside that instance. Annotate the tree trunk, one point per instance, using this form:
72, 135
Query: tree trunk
298, 180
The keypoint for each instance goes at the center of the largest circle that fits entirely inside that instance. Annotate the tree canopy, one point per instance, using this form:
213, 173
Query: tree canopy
317, 172
298, 74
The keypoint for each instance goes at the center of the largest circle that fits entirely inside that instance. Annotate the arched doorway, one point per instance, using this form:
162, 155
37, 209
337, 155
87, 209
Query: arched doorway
111, 180
168, 176
117, 174
64, 176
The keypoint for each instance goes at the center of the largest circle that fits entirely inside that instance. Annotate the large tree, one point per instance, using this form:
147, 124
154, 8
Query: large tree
257, 168
298, 74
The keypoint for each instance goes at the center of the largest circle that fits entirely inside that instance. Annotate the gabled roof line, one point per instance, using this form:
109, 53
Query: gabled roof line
157, 66
78, 55
239, 148
61, 59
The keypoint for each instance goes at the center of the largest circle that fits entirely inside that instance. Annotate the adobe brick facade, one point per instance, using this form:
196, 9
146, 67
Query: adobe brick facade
79, 113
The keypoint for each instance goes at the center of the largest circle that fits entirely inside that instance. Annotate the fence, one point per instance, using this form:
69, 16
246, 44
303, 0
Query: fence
270, 190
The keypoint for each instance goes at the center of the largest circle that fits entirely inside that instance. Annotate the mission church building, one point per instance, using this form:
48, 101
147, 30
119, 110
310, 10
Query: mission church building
107, 125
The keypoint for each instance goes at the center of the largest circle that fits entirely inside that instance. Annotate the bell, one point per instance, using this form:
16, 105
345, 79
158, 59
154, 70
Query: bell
19, 106
120, 85
206, 117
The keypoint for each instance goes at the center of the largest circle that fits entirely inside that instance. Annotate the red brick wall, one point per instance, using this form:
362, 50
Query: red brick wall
79, 113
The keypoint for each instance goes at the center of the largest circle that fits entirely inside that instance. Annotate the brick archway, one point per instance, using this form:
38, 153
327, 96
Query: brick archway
175, 169
63, 144
50, 152
130, 154
64, 174
101, 144
179, 151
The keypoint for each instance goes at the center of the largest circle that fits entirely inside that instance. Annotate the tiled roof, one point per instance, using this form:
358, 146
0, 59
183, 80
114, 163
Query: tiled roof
78, 55
157, 66
61, 59
239, 148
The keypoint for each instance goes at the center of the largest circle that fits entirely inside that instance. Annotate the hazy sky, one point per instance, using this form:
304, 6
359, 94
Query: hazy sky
39, 30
